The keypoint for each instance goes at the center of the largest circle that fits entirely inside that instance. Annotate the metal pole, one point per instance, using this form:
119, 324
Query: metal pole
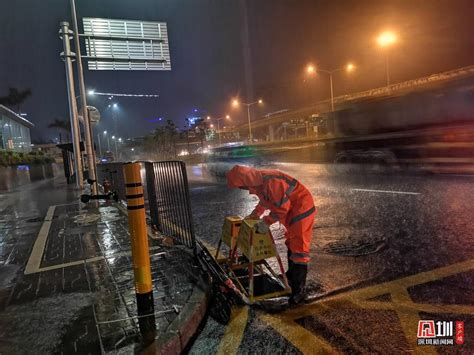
332, 92
76, 137
108, 143
387, 69
140, 251
250, 125
100, 148
114, 118
116, 151
85, 111
219, 131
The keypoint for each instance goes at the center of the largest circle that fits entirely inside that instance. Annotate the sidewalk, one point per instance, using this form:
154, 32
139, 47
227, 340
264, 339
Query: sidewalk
66, 284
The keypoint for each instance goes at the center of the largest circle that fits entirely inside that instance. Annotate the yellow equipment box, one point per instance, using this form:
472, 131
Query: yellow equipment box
262, 246
230, 230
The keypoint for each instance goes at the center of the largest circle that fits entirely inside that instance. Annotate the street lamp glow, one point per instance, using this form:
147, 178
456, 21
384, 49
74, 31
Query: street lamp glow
260, 101
208, 117
227, 117
311, 69
235, 102
386, 39
91, 92
115, 105
350, 67
212, 126
120, 139
113, 137
105, 132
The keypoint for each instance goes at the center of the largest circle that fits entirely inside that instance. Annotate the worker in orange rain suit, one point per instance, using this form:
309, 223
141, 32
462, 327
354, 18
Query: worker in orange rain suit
291, 204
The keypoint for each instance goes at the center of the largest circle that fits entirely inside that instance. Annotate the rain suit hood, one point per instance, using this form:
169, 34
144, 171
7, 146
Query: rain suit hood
243, 176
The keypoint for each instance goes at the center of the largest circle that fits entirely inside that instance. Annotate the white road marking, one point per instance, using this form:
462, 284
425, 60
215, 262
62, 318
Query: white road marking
388, 192
34, 261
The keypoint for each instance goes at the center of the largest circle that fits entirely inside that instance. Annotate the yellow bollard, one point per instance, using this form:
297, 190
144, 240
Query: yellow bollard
140, 251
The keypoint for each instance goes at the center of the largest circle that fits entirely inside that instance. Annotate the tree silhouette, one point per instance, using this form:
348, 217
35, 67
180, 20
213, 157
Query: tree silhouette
61, 125
15, 98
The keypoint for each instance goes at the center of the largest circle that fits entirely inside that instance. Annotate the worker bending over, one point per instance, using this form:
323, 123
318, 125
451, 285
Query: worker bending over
291, 204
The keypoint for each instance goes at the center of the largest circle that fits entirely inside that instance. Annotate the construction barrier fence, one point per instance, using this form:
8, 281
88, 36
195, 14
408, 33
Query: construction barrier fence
166, 193
169, 201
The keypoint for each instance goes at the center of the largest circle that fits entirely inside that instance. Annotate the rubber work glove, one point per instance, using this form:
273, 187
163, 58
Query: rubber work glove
262, 227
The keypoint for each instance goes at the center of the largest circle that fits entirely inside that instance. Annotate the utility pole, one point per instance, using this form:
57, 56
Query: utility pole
65, 35
85, 112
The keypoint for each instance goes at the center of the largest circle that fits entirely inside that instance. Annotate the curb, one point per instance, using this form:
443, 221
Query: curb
183, 328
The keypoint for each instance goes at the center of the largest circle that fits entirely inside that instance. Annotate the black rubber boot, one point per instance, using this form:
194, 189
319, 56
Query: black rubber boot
297, 280
290, 266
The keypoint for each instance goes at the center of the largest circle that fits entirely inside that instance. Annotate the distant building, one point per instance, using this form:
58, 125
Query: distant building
14, 131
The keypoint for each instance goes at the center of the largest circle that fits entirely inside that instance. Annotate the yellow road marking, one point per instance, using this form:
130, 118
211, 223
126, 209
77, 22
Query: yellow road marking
407, 311
301, 338
386, 287
419, 307
234, 331
408, 320
309, 343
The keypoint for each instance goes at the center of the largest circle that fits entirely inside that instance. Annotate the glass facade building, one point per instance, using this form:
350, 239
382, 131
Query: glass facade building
14, 131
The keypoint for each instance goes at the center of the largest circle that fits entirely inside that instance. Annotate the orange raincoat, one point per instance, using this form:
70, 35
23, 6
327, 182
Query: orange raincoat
289, 202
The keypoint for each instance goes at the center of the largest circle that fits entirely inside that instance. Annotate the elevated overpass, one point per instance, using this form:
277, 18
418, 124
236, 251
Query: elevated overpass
271, 127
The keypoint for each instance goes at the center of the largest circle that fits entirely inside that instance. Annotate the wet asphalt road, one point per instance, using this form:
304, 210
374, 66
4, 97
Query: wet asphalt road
370, 228
372, 233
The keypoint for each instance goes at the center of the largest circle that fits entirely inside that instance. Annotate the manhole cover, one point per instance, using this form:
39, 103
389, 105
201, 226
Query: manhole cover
354, 247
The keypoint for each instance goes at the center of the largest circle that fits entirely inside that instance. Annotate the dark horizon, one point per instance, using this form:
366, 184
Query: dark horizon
211, 62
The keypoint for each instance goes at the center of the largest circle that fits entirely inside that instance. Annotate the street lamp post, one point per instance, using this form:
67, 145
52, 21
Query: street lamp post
113, 107
100, 148
120, 147
108, 141
236, 103
89, 144
65, 34
218, 119
311, 69
115, 144
386, 40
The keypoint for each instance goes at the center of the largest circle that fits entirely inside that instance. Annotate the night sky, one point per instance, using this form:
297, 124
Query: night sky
211, 61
